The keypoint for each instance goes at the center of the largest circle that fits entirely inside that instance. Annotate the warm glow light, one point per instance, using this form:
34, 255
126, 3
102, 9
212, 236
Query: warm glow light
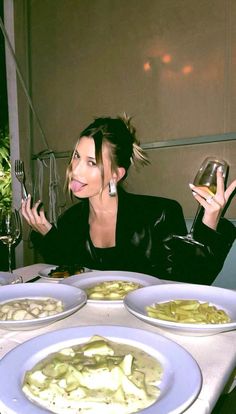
187, 69
166, 58
147, 66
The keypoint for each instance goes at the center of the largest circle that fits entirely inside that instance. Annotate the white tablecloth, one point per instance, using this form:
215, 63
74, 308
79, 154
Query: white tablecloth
215, 355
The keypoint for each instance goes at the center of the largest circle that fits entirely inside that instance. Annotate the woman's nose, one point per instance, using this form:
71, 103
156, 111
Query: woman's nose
77, 167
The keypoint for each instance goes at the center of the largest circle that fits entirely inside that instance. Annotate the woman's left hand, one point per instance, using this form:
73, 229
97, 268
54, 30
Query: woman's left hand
213, 204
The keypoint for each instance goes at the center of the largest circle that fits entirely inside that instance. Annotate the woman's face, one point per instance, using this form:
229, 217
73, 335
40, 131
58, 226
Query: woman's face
86, 179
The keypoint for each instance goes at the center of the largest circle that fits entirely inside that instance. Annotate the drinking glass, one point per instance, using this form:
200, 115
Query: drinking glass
10, 231
205, 179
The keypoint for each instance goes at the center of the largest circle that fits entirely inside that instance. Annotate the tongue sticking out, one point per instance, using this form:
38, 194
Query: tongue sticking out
76, 186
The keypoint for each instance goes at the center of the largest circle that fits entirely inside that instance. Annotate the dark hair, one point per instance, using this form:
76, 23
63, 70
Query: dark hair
120, 136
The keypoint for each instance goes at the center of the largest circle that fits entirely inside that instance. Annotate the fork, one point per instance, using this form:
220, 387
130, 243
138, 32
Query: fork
20, 175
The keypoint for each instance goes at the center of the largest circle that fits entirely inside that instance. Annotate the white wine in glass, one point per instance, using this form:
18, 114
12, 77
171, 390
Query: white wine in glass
10, 231
205, 179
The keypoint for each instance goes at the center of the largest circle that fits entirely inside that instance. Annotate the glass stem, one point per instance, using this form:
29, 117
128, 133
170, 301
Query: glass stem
199, 211
9, 258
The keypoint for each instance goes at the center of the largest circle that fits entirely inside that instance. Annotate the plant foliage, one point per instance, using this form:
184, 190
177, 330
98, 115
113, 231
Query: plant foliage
5, 171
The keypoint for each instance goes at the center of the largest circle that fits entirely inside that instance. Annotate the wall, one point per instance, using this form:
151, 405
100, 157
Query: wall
168, 63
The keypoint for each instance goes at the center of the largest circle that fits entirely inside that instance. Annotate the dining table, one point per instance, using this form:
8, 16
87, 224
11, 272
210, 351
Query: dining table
214, 354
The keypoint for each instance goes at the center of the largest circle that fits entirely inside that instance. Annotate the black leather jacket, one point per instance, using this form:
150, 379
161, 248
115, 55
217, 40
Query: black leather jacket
144, 242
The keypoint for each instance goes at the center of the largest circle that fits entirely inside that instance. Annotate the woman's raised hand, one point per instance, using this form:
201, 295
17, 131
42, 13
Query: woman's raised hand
34, 216
213, 204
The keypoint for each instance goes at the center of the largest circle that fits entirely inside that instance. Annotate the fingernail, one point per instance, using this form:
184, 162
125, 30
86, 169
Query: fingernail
193, 193
220, 168
191, 185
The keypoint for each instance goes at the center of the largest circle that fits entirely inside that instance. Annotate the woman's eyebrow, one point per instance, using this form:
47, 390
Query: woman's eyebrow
91, 158
76, 152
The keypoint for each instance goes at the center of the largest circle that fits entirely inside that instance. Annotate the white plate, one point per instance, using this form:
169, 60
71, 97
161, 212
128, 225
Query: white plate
44, 273
179, 386
6, 278
84, 281
72, 298
225, 299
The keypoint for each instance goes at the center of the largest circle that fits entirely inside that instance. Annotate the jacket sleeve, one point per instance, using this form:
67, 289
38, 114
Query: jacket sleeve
192, 263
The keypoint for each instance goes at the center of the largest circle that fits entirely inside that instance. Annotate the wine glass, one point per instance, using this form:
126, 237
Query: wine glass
10, 231
206, 180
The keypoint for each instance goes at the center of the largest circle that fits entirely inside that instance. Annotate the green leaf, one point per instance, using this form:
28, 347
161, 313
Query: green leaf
5, 171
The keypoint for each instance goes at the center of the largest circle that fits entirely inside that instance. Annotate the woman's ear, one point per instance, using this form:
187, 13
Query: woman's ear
120, 172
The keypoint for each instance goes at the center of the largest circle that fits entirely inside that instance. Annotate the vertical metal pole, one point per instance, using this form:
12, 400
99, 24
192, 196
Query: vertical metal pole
13, 113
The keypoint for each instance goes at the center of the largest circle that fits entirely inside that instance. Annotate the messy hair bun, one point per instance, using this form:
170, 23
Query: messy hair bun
138, 154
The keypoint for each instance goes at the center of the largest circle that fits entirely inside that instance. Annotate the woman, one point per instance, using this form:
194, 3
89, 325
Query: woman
110, 229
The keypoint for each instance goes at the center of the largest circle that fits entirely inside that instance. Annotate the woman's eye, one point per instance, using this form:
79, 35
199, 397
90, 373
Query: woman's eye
76, 155
92, 163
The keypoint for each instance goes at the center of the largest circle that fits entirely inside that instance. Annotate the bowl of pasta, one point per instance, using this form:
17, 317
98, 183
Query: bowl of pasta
185, 309
32, 306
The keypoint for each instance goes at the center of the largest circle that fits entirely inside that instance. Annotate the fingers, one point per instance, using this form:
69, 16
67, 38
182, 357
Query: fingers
221, 192
230, 189
209, 202
220, 188
29, 213
35, 216
213, 204
25, 205
204, 196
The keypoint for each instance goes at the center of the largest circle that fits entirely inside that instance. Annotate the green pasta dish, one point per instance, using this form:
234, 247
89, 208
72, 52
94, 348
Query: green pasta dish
99, 376
111, 289
188, 311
